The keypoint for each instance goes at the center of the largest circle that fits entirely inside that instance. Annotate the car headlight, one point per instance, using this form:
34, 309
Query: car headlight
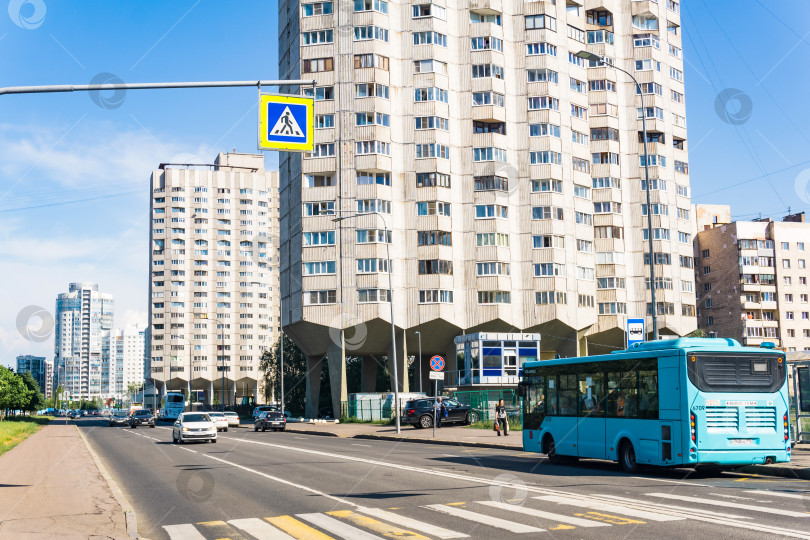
185, 429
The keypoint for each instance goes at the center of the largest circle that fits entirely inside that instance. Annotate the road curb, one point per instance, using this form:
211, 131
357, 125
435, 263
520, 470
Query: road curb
129, 513
772, 470
444, 442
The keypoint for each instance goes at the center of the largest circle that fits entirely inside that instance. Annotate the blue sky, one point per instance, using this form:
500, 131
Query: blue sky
66, 147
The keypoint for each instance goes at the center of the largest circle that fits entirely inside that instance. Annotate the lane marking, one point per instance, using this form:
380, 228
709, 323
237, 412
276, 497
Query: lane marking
385, 529
475, 517
731, 497
337, 527
804, 495
668, 481
186, 531
609, 507
427, 528
750, 507
296, 529
259, 529
366, 445
544, 515
613, 520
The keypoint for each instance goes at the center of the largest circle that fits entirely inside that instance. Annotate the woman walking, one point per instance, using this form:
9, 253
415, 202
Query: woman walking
500, 419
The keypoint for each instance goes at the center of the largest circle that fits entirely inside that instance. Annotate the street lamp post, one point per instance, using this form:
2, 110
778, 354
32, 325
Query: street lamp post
591, 56
390, 301
419, 362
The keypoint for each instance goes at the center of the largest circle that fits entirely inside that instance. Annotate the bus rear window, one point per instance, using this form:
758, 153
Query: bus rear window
736, 373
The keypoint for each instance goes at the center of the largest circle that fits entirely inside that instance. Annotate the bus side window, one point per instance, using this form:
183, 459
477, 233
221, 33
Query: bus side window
568, 395
622, 400
648, 404
552, 407
592, 398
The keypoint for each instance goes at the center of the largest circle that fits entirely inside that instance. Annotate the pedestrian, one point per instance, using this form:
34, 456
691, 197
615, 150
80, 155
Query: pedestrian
500, 419
441, 412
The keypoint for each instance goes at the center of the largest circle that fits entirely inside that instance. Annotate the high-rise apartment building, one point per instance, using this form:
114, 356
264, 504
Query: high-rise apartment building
504, 173
47, 390
83, 316
37, 366
752, 281
214, 276
126, 350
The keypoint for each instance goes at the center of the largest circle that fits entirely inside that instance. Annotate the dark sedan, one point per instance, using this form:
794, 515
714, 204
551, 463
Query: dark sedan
270, 420
419, 413
141, 417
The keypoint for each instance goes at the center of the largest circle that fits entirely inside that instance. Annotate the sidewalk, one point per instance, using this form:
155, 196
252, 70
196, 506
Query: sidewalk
51, 487
799, 466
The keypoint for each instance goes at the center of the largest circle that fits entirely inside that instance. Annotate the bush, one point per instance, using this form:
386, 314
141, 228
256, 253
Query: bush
514, 425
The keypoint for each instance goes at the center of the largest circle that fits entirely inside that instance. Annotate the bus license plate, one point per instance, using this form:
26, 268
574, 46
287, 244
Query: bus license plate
741, 442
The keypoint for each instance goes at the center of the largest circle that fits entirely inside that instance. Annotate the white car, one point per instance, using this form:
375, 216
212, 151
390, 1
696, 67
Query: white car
191, 426
233, 418
219, 420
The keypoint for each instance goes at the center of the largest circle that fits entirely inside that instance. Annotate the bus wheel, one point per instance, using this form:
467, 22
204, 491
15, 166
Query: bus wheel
550, 450
627, 458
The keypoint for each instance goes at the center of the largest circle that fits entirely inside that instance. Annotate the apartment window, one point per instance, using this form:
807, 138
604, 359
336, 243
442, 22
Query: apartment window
576, 137
608, 232
537, 103
541, 48
433, 208
576, 34
646, 40
612, 308
372, 147
681, 167
545, 157
432, 180
599, 36
605, 158
542, 75
548, 184
490, 183
578, 86
373, 236
370, 60
489, 127
371, 90
493, 268
321, 93
789, 315
365, 206
800, 246
650, 112
429, 38
610, 283
321, 208
494, 297
371, 178
660, 258
578, 111
582, 192
550, 297
487, 70
430, 94
537, 22
371, 5
583, 272
489, 154
801, 263
317, 37
543, 130
492, 239
435, 296
547, 212
318, 8
323, 238
476, 18
322, 150
372, 119
432, 150
316, 65
431, 122
580, 164
650, 88
434, 238
707, 270
320, 297
486, 43
549, 270
791, 333
318, 268
575, 60
599, 18
435, 266
601, 85
606, 181
324, 121
548, 241
487, 98
362, 33
366, 296
658, 233
429, 10
709, 321
489, 211
677, 97
645, 22
607, 207
789, 298
430, 66
786, 263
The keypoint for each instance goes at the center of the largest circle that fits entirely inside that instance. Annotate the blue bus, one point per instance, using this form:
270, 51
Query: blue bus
679, 402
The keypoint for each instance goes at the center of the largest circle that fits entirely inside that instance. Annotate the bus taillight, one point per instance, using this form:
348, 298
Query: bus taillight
692, 422
787, 428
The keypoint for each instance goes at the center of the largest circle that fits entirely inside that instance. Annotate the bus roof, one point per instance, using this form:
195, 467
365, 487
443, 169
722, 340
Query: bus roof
640, 350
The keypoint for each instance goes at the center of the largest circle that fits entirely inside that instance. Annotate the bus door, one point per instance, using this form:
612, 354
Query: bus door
591, 425
564, 406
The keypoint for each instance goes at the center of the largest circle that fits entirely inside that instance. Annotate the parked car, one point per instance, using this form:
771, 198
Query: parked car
194, 426
263, 408
233, 419
219, 420
141, 417
419, 413
270, 420
326, 412
119, 418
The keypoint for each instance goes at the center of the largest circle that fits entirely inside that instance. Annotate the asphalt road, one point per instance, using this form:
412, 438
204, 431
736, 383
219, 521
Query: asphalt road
256, 485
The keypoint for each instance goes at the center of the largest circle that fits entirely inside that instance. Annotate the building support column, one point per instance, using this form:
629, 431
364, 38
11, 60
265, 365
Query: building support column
256, 393
582, 342
402, 364
336, 359
313, 385
233, 392
210, 397
368, 373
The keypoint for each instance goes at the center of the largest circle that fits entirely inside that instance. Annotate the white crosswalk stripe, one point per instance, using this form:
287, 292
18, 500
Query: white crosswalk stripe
339, 528
765, 492
260, 529
672, 509
410, 523
498, 523
559, 518
609, 507
186, 531
727, 504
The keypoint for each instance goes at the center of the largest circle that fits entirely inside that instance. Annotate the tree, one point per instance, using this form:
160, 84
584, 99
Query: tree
697, 333
13, 392
134, 388
35, 398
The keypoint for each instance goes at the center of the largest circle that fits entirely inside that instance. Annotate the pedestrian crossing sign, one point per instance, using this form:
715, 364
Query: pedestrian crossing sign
286, 123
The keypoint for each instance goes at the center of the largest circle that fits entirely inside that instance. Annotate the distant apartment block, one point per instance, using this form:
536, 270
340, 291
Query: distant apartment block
37, 366
125, 353
214, 299
504, 173
752, 281
83, 316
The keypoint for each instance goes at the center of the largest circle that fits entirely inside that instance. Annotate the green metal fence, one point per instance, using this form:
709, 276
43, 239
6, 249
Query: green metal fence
484, 402
366, 410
